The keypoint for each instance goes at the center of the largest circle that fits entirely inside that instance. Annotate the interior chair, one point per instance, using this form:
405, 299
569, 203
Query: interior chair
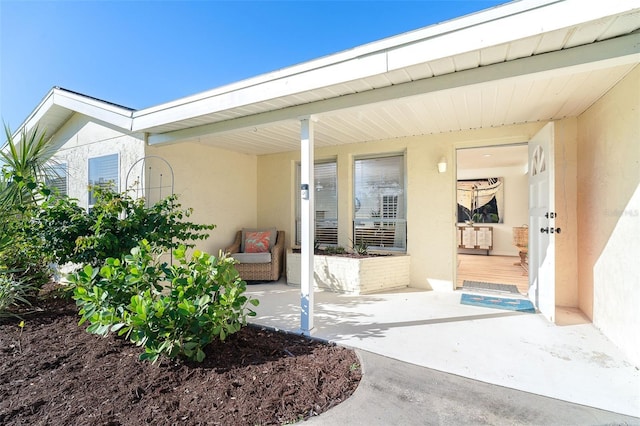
260, 253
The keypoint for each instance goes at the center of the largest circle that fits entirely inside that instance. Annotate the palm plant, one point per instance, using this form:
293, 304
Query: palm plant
24, 166
25, 160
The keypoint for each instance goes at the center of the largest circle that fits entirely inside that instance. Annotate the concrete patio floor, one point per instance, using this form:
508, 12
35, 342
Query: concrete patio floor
572, 361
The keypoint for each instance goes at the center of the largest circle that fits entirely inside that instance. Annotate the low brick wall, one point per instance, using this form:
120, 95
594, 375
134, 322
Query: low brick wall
353, 275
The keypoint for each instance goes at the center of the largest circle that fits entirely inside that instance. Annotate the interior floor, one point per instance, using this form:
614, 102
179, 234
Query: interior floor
492, 269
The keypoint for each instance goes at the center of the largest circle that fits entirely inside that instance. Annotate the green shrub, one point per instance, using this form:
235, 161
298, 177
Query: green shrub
361, 248
114, 226
20, 252
202, 300
334, 250
12, 293
57, 224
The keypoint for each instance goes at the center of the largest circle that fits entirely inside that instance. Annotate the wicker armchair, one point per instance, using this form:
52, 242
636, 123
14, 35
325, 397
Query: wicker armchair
250, 271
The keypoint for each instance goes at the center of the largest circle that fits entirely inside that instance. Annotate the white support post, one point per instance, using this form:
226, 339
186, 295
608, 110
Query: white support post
307, 226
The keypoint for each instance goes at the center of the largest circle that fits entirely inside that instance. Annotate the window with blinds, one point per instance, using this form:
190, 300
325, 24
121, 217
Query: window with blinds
379, 206
326, 203
103, 172
57, 178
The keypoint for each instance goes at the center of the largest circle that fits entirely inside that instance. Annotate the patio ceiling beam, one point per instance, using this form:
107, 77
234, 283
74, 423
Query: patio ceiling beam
608, 53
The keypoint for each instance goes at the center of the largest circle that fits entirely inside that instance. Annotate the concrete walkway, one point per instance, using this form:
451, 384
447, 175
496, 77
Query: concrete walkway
397, 393
572, 362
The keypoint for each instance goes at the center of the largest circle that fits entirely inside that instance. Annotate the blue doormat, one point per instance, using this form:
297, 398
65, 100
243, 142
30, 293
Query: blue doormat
520, 305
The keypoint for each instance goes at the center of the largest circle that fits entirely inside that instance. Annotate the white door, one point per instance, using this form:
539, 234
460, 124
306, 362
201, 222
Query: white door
542, 231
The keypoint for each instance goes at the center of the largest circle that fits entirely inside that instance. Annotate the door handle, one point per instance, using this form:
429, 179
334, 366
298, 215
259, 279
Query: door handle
550, 230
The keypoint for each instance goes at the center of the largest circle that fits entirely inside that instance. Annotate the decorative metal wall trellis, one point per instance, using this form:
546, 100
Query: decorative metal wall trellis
153, 179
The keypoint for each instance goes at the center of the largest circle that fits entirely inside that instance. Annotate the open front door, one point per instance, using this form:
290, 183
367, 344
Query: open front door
542, 287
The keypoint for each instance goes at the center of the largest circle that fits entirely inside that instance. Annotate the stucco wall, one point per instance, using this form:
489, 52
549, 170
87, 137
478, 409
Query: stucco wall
566, 246
80, 139
219, 185
609, 213
431, 210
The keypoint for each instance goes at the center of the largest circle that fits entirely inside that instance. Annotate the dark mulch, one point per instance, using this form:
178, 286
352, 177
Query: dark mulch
54, 373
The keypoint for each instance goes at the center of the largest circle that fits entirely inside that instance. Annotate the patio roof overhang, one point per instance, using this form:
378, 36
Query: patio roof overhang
550, 86
525, 61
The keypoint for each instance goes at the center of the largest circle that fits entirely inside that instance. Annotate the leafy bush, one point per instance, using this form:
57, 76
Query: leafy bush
114, 226
203, 300
20, 252
57, 224
335, 250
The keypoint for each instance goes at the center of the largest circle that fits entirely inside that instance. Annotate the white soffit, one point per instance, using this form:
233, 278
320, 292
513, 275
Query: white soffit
543, 87
59, 105
504, 33
479, 106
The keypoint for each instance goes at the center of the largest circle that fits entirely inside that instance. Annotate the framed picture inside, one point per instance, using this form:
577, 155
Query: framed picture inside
480, 200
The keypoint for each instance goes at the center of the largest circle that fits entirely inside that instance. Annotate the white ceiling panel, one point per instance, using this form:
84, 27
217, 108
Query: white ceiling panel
553, 40
590, 32
523, 48
466, 61
494, 54
623, 24
494, 104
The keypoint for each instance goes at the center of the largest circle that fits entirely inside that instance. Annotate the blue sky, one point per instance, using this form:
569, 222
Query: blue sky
142, 53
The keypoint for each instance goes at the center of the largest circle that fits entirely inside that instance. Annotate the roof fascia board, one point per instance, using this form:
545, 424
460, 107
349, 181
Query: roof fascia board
537, 21
492, 27
103, 111
39, 112
455, 24
608, 53
345, 71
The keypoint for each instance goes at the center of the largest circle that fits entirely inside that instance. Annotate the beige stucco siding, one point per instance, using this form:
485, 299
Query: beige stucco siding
431, 210
565, 150
608, 213
219, 185
81, 139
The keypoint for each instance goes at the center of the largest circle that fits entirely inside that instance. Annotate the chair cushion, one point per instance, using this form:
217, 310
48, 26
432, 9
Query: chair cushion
272, 237
257, 241
252, 257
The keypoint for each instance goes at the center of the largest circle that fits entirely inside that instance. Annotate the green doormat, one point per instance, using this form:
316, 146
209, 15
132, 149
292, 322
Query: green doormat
520, 305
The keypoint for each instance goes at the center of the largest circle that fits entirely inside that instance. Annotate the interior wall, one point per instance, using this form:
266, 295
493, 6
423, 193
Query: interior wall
609, 213
431, 212
219, 185
516, 204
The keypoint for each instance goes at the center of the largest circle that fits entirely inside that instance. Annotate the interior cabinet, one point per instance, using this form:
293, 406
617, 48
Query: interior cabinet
475, 238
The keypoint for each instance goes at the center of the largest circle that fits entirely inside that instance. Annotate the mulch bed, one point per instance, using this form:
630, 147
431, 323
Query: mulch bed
55, 373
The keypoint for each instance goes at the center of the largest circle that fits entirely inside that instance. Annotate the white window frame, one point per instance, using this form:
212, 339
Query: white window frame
326, 230
116, 186
376, 224
58, 171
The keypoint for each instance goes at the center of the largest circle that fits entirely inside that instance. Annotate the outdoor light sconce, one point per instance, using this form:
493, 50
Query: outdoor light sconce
442, 165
